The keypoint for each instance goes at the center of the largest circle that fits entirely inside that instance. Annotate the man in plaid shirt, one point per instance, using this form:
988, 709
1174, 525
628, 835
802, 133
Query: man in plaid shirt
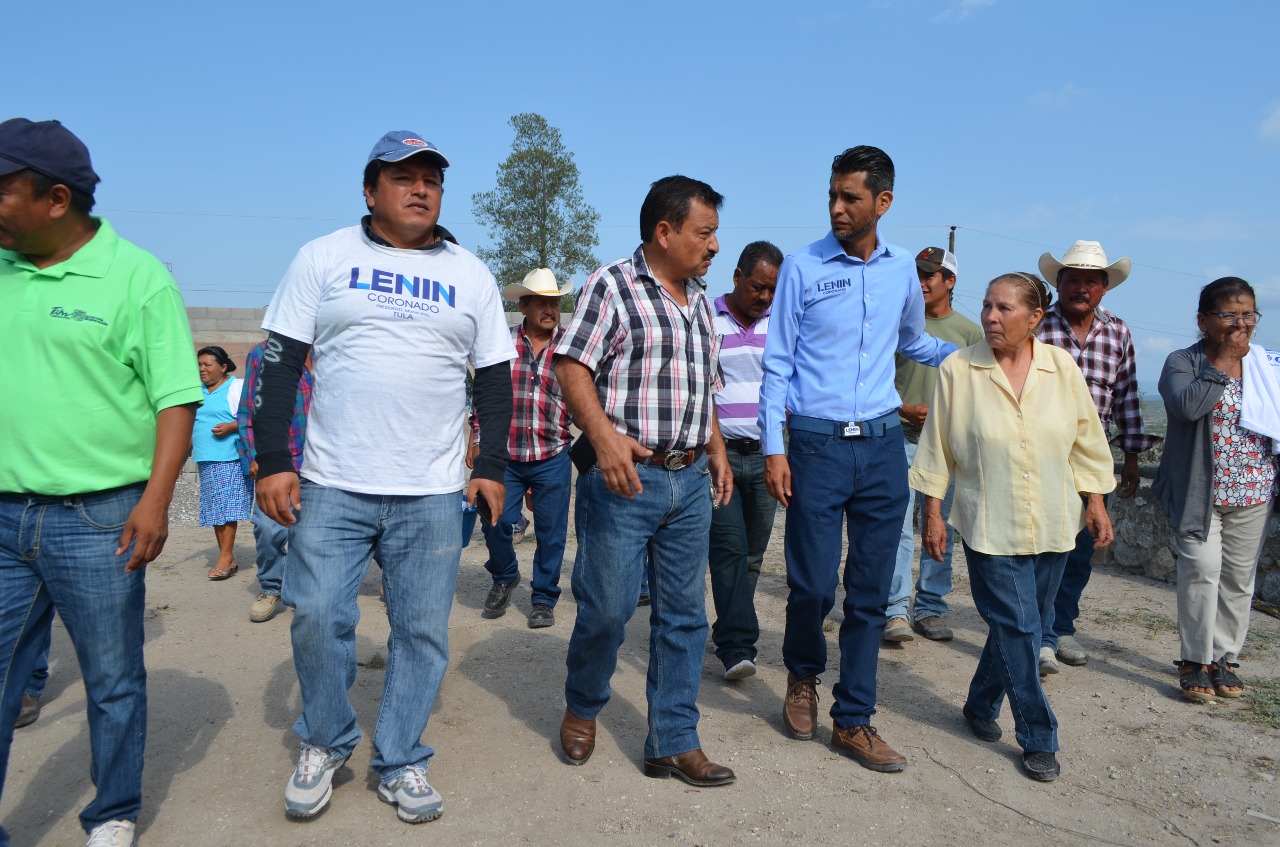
1102, 347
270, 538
539, 461
638, 365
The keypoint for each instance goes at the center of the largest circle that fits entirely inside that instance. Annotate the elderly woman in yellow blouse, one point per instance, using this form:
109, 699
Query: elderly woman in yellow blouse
1013, 421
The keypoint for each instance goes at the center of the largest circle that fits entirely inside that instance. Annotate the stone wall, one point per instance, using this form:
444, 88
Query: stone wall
1142, 544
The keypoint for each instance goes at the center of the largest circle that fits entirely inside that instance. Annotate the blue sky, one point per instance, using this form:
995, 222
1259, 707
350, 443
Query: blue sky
229, 134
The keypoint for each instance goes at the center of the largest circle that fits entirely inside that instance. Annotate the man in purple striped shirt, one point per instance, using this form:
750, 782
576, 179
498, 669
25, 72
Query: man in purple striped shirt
740, 530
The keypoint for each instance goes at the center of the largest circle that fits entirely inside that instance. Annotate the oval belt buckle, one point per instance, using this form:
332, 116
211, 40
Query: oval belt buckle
675, 461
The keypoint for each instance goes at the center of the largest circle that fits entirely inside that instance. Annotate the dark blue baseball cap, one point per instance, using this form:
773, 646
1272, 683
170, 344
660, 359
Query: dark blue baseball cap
400, 144
49, 148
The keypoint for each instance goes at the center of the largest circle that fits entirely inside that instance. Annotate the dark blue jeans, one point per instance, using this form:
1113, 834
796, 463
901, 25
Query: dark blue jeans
59, 553
865, 480
739, 535
1075, 576
40, 676
551, 481
664, 529
1014, 595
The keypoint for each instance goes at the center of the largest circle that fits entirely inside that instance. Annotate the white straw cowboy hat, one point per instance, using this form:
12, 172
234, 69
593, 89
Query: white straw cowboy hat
1090, 256
537, 283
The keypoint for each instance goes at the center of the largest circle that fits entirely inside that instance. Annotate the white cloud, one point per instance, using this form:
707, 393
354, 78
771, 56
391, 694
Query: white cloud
1049, 99
958, 10
1154, 346
1269, 129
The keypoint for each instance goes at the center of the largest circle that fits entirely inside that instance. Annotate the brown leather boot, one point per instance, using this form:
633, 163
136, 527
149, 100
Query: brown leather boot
865, 745
693, 767
800, 708
577, 738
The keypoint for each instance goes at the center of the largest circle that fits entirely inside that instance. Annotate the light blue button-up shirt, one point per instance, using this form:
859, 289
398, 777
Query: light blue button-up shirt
836, 324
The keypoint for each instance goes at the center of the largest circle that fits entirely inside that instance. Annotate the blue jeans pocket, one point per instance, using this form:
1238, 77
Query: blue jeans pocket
808, 443
108, 511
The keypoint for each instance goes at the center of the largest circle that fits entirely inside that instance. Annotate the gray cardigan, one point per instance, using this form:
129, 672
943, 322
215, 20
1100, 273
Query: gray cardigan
1191, 387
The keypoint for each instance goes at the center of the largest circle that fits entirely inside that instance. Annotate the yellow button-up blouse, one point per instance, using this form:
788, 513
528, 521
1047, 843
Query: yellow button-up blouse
1020, 466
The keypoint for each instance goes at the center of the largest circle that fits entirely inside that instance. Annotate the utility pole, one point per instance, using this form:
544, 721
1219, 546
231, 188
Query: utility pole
951, 241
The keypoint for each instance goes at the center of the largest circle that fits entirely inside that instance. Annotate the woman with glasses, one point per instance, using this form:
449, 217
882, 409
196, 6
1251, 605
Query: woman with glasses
1216, 484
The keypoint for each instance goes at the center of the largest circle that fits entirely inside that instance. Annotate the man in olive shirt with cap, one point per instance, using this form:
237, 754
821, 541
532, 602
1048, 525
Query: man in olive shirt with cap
100, 389
936, 269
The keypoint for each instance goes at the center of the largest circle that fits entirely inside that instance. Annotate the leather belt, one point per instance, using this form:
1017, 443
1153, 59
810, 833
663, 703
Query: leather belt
846, 429
674, 460
745, 446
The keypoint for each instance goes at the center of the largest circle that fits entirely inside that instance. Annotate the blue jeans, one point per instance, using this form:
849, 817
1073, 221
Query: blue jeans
739, 535
865, 480
40, 676
417, 541
1075, 576
59, 554
551, 482
934, 582
1014, 594
272, 543
665, 528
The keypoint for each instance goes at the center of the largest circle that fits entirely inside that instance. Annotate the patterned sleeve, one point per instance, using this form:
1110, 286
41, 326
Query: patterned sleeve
1127, 403
595, 330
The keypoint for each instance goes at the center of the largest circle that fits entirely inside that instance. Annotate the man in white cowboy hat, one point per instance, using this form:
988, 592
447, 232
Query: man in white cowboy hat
537, 441
1102, 347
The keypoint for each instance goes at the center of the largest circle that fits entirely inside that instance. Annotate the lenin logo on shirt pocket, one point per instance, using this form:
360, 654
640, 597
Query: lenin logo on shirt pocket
78, 315
826, 288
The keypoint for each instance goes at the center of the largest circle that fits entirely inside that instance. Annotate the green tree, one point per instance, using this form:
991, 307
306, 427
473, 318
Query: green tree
536, 216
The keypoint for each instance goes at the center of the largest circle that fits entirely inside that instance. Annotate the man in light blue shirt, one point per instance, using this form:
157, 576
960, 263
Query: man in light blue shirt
844, 306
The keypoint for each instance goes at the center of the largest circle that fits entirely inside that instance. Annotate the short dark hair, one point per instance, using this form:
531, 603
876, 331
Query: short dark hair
1032, 290
219, 355
757, 252
872, 161
41, 184
375, 168
669, 199
1223, 288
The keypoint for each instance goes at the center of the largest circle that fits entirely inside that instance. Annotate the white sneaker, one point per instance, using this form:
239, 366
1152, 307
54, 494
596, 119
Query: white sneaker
112, 834
740, 670
311, 785
414, 798
1070, 651
1048, 664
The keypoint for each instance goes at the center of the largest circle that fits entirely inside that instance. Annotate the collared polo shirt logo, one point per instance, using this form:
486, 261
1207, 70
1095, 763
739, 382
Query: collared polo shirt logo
78, 315
832, 286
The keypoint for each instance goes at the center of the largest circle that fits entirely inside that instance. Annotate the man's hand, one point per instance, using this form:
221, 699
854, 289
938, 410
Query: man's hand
1129, 478
494, 493
1098, 522
278, 496
721, 476
617, 454
777, 477
148, 528
914, 415
472, 452
933, 534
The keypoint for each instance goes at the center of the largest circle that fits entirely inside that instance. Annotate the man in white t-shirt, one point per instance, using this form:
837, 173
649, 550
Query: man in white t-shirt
392, 313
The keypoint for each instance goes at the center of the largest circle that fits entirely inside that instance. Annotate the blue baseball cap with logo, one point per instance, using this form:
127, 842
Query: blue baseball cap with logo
49, 148
400, 144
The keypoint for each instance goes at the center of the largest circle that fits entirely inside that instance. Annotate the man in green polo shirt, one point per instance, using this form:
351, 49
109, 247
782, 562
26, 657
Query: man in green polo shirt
100, 387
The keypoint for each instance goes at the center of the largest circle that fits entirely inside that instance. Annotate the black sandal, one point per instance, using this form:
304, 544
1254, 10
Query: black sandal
1224, 680
1191, 675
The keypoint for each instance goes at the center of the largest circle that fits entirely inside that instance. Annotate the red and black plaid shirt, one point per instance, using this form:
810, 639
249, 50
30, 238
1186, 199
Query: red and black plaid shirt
1109, 365
539, 418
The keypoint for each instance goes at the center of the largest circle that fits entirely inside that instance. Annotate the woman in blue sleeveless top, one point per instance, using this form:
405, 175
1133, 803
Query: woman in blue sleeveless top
226, 494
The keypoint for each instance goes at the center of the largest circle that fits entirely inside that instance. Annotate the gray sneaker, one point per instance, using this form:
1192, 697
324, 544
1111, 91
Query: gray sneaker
112, 834
1048, 664
740, 669
311, 785
1070, 652
414, 798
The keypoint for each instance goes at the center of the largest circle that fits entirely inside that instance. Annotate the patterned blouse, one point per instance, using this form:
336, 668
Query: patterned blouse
1244, 471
